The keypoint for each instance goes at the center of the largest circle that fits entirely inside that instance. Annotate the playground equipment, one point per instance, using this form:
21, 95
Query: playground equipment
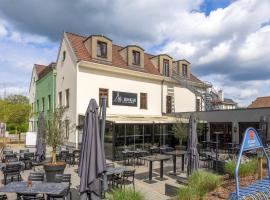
261, 188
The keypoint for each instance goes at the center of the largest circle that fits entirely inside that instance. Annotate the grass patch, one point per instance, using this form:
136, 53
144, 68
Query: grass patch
245, 169
199, 184
127, 194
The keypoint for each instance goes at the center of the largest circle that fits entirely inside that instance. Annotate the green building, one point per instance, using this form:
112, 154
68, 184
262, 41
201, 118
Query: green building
45, 91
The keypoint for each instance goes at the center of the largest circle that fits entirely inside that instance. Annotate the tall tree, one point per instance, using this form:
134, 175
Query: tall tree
17, 99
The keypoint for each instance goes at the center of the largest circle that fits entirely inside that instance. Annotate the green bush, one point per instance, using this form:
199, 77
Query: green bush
245, 169
199, 184
127, 194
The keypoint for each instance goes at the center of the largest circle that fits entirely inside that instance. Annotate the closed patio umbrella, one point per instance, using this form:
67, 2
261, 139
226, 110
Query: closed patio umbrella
192, 152
92, 160
40, 143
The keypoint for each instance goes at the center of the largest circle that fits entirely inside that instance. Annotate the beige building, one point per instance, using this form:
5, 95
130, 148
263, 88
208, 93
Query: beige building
140, 87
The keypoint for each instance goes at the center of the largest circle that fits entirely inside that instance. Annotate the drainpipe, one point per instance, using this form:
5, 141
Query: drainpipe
162, 83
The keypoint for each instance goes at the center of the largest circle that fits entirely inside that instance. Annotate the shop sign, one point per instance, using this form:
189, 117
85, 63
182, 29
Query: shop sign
124, 98
251, 140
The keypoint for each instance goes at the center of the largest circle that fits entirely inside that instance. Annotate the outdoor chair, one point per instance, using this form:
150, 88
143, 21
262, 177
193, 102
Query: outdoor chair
24, 151
62, 178
7, 151
28, 159
3, 197
12, 170
203, 157
10, 158
75, 157
128, 157
127, 177
65, 156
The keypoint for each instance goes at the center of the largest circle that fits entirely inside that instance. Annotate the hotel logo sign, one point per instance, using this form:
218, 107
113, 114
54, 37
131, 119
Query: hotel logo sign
251, 140
124, 99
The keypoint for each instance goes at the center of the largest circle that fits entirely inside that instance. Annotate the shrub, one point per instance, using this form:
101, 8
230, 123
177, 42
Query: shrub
199, 184
127, 194
245, 169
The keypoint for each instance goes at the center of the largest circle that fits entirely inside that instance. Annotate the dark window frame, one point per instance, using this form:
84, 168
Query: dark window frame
184, 70
103, 92
67, 98
60, 99
166, 67
136, 57
102, 49
143, 101
49, 102
43, 104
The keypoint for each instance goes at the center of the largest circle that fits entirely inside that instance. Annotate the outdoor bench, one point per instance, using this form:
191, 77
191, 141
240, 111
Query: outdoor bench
258, 190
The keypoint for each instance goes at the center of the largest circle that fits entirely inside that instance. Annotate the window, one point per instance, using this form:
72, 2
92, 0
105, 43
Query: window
32, 107
143, 101
103, 92
198, 105
64, 56
43, 104
184, 70
67, 128
67, 98
166, 69
37, 105
102, 49
49, 102
135, 57
60, 99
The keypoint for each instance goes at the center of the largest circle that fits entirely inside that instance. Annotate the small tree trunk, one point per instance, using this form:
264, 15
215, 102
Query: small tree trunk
54, 155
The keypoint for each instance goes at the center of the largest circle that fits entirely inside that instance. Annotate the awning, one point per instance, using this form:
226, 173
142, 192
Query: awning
127, 119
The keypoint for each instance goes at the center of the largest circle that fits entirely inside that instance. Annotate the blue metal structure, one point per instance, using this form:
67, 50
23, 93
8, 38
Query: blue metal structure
261, 188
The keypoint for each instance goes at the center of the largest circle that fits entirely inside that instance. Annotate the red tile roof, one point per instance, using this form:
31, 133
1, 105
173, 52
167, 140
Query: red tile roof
39, 68
260, 102
77, 43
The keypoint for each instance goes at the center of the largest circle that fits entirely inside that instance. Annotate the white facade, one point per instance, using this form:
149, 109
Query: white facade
32, 94
84, 79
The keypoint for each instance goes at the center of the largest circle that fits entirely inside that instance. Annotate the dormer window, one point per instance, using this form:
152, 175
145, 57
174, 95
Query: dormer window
184, 70
166, 68
136, 57
101, 49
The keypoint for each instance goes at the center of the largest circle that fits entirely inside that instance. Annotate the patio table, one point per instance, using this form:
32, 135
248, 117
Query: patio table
37, 188
158, 157
174, 154
115, 170
3, 165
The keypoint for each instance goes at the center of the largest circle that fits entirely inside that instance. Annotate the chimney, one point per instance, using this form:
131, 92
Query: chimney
221, 95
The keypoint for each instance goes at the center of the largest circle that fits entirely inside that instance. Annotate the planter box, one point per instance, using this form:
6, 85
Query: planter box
52, 169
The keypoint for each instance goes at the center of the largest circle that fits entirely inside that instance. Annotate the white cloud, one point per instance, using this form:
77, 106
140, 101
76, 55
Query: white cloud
3, 30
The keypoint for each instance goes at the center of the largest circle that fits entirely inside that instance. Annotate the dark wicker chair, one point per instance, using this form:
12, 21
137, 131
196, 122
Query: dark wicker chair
31, 198
3, 197
127, 177
62, 178
12, 170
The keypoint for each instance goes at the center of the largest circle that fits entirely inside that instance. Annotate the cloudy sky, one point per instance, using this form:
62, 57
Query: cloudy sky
227, 41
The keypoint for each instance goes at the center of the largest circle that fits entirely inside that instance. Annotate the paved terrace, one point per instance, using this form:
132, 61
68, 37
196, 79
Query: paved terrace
153, 191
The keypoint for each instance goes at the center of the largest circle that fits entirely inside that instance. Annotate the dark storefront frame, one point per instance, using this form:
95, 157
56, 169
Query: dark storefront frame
120, 135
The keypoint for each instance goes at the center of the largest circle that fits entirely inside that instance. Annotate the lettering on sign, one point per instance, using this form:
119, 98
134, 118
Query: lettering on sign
124, 99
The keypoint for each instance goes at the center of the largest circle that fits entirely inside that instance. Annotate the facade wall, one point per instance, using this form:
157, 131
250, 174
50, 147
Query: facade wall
185, 100
90, 80
45, 87
32, 95
66, 79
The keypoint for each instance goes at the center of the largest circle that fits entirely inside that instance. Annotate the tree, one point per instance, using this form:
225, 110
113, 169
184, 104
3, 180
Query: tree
17, 99
55, 130
180, 130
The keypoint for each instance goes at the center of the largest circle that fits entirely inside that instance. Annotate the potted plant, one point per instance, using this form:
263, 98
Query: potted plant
180, 131
54, 137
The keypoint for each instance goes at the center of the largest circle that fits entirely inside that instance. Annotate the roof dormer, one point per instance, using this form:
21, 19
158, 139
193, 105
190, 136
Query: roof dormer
133, 56
99, 47
182, 68
164, 64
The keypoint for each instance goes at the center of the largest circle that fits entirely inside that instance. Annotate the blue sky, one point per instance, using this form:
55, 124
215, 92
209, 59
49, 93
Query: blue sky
227, 41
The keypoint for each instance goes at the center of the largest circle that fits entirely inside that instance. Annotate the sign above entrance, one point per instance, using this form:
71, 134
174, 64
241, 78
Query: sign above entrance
124, 99
251, 140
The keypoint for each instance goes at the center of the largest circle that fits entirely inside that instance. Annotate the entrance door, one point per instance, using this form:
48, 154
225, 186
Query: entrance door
169, 104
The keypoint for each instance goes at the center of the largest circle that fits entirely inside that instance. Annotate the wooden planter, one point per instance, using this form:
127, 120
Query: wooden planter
52, 169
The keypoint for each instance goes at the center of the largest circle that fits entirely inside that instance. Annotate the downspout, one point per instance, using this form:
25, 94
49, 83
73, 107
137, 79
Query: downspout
162, 83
